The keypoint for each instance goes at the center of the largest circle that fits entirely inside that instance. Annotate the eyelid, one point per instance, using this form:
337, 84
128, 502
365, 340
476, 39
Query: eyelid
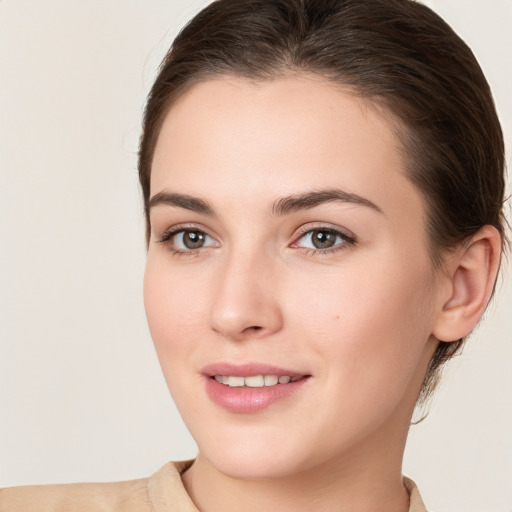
319, 226
348, 238
186, 226
166, 238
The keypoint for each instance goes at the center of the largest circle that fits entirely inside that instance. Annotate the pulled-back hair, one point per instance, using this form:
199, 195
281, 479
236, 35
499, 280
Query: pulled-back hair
398, 54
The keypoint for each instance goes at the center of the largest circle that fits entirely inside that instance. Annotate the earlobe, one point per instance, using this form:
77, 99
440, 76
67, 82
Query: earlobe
472, 273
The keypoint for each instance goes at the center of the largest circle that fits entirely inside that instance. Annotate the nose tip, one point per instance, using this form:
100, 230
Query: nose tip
244, 306
247, 319
235, 329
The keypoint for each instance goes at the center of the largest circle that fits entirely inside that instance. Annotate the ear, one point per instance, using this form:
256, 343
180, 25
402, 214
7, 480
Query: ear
471, 274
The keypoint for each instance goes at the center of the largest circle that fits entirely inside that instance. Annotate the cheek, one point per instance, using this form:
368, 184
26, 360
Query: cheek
372, 325
172, 307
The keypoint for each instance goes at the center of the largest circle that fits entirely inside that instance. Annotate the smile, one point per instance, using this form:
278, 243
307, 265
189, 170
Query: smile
255, 381
246, 391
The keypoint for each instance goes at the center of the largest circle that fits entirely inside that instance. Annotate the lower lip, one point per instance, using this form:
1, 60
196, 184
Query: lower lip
249, 400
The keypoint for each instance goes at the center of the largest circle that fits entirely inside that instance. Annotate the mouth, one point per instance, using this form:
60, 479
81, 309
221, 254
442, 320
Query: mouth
250, 388
256, 381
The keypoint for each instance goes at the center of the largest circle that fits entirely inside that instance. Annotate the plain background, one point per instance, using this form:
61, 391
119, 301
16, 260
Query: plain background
81, 393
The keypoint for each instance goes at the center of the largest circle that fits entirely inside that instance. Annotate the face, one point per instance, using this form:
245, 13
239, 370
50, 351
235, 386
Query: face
288, 289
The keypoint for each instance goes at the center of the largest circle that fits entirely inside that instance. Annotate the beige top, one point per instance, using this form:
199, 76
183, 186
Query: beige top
162, 492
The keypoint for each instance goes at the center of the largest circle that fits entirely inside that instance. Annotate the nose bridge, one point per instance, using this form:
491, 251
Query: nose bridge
243, 304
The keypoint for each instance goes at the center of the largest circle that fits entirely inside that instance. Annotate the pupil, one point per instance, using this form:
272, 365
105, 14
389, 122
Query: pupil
193, 239
323, 239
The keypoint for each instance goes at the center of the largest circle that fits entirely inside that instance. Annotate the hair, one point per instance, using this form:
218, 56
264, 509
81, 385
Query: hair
398, 54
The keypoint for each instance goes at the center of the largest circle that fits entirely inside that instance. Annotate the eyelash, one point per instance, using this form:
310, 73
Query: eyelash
347, 240
168, 235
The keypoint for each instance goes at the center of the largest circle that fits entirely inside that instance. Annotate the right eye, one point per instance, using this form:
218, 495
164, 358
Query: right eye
187, 240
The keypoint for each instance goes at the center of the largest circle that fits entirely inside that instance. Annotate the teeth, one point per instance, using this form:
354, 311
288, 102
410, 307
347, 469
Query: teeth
235, 382
255, 381
271, 380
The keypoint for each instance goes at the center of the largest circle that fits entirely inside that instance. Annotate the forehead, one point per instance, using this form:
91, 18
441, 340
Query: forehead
278, 137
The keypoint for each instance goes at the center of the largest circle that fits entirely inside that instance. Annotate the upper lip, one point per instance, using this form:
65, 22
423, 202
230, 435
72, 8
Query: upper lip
247, 369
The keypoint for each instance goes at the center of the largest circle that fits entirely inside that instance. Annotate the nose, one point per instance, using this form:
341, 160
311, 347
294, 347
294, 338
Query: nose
243, 304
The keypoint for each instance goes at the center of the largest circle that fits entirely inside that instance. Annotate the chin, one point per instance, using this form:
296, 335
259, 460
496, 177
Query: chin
260, 467
257, 456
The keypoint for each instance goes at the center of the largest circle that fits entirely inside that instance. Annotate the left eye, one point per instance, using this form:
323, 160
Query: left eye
322, 238
190, 239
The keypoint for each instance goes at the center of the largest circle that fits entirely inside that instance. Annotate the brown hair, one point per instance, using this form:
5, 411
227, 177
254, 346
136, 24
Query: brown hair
398, 53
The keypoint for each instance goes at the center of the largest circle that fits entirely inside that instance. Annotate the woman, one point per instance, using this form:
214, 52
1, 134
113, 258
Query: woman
323, 183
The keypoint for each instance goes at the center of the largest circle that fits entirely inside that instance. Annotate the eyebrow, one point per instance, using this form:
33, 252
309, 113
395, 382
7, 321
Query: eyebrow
282, 206
182, 201
309, 200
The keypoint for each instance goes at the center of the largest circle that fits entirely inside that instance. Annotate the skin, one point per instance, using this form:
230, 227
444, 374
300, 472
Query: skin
359, 319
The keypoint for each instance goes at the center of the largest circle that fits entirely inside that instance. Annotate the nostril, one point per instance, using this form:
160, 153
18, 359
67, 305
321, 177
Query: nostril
252, 329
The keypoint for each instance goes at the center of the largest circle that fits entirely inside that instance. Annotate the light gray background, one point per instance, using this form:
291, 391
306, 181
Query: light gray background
81, 394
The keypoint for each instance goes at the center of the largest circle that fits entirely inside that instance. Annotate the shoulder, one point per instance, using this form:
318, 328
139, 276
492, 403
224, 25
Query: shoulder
415, 502
162, 489
116, 496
